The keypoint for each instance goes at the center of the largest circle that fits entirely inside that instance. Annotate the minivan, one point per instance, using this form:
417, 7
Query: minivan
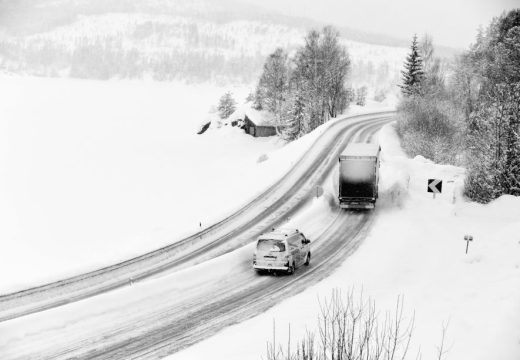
282, 249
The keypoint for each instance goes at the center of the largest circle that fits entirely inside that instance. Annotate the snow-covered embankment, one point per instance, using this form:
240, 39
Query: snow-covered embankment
416, 249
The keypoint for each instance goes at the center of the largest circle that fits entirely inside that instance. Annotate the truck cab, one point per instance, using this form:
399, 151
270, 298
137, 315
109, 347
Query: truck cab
281, 250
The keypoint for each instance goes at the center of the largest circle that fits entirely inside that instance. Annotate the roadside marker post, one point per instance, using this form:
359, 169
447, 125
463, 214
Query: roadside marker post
468, 238
434, 186
453, 199
319, 191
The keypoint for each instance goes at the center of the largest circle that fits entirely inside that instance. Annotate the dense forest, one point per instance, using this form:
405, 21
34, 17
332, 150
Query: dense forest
468, 114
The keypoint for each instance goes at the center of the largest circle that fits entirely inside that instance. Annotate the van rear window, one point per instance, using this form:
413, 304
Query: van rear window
270, 245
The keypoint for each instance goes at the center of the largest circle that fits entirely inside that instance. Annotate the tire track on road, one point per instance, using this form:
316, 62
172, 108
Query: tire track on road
201, 246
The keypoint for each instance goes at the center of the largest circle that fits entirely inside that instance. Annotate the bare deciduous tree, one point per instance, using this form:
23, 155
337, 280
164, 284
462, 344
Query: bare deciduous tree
350, 329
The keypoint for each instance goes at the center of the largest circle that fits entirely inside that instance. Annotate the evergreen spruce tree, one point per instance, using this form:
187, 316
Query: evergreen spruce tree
295, 118
413, 72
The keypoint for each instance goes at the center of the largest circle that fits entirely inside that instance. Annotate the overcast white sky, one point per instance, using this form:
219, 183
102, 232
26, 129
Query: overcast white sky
450, 22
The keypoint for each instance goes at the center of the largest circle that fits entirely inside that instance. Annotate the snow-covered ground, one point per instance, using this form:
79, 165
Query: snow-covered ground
102, 318
93, 172
415, 249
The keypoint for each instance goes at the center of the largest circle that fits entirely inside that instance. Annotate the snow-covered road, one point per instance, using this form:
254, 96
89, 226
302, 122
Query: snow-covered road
157, 318
275, 205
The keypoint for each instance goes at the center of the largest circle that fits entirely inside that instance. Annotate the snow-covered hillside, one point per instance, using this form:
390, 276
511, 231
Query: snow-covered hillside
416, 250
165, 41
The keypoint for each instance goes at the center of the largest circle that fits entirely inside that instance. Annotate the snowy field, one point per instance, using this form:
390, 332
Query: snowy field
95, 172
415, 249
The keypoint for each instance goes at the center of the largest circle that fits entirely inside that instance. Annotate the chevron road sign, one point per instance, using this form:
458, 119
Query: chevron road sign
435, 186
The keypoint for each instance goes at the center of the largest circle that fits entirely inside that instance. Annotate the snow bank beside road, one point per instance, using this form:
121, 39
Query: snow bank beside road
415, 249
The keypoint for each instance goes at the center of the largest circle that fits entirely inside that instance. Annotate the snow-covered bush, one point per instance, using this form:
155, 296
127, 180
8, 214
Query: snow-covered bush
429, 127
361, 96
348, 328
380, 95
262, 158
226, 106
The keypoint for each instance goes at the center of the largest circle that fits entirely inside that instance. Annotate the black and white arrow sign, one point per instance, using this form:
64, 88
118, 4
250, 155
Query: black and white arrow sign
435, 186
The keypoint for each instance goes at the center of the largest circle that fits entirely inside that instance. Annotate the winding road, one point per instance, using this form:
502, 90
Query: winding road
195, 286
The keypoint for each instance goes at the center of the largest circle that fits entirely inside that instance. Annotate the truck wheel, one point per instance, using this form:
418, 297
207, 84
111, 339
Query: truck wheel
290, 270
308, 259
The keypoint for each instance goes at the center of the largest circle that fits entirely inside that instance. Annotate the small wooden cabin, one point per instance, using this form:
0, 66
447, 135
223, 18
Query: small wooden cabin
259, 129
258, 123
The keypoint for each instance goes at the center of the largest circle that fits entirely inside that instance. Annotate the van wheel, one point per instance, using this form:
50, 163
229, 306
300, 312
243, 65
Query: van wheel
308, 259
290, 270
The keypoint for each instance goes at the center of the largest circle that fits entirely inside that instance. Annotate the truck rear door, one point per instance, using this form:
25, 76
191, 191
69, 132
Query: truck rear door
357, 177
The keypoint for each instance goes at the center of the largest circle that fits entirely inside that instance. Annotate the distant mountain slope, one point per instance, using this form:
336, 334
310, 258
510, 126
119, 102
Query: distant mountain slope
195, 40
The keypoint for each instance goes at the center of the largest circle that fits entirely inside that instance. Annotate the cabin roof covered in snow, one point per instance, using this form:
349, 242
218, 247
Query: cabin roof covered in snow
258, 117
360, 149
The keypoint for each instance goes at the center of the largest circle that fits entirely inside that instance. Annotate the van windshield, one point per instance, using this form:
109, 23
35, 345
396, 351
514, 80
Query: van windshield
270, 245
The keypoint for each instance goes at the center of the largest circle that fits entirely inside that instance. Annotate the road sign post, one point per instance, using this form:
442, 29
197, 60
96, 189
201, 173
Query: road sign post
453, 199
434, 186
468, 238
319, 191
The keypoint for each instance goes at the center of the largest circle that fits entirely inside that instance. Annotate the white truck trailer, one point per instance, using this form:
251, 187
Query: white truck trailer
359, 176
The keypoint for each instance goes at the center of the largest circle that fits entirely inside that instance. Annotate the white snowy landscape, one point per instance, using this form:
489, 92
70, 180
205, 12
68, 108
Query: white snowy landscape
99, 203
415, 249
127, 231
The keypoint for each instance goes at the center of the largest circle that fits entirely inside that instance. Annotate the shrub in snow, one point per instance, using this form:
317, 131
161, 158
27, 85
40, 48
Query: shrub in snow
427, 127
350, 329
262, 158
361, 96
250, 98
380, 95
226, 105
